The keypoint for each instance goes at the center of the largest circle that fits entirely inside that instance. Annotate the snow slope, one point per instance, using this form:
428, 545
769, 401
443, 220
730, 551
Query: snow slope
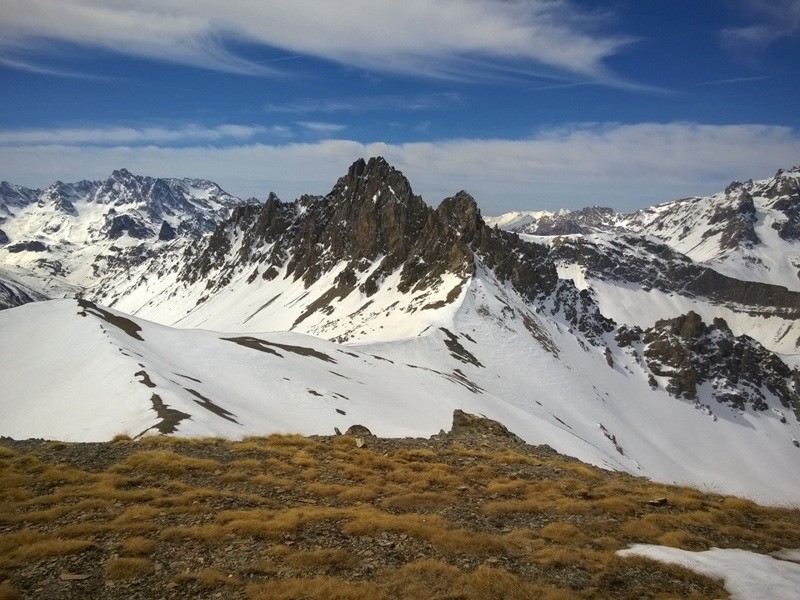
80, 372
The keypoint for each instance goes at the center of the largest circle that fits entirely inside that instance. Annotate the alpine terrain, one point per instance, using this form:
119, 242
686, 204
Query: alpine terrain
662, 343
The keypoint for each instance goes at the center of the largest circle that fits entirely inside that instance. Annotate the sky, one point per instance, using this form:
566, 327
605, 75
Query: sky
526, 104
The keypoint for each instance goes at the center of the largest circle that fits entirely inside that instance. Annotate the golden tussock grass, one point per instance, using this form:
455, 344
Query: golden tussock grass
271, 524
361, 493
135, 514
84, 529
137, 546
44, 547
272, 481
165, 462
246, 464
505, 489
289, 443
414, 454
9, 592
128, 568
430, 578
479, 473
317, 588
66, 474
366, 520
683, 540
329, 560
208, 578
254, 445
304, 460
563, 533
57, 512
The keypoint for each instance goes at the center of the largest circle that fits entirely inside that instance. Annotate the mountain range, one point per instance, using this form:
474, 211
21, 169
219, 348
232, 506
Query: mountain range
663, 343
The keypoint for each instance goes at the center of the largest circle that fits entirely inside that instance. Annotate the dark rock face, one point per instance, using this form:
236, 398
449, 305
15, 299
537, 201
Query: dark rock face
3, 237
167, 232
32, 246
119, 225
735, 220
689, 353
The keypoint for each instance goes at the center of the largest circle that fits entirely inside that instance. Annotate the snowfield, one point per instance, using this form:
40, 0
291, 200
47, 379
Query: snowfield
81, 372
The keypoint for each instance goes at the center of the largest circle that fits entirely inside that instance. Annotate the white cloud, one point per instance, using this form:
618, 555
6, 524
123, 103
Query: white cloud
623, 166
134, 135
446, 38
321, 128
772, 21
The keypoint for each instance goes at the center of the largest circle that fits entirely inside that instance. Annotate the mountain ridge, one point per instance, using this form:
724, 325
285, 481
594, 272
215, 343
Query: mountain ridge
594, 343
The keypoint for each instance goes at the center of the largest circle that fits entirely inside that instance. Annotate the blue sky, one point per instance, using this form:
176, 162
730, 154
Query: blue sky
526, 104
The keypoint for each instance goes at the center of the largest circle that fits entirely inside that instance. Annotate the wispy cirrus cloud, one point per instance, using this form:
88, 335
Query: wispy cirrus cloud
359, 104
116, 135
623, 166
772, 20
463, 39
734, 80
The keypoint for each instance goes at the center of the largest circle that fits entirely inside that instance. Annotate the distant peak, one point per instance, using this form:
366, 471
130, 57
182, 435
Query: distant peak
122, 173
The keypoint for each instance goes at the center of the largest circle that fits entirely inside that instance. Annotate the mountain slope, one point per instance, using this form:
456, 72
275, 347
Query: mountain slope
77, 371
610, 345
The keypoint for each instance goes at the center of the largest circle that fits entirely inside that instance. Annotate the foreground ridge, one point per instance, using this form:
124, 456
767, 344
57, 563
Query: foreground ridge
473, 513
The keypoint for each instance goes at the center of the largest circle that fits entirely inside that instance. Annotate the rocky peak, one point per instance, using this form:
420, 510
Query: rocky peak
462, 214
740, 371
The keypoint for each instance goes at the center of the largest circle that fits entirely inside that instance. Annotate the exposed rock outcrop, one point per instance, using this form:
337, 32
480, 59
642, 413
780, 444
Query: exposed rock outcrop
690, 354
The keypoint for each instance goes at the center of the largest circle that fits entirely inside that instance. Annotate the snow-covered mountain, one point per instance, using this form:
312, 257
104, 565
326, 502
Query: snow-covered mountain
67, 237
607, 342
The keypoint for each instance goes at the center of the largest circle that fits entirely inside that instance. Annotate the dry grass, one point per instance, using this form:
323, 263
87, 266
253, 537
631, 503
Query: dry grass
165, 462
39, 548
137, 546
292, 517
9, 592
317, 588
208, 578
328, 560
128, 568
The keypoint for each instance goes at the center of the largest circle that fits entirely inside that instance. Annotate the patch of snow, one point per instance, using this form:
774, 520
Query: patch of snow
746, 575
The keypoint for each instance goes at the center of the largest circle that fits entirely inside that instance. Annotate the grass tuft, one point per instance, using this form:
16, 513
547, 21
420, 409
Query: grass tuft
128, 568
